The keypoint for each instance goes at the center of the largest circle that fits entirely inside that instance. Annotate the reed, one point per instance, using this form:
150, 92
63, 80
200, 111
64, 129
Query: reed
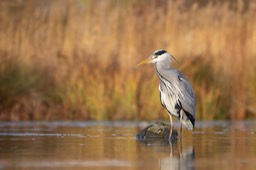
76, 59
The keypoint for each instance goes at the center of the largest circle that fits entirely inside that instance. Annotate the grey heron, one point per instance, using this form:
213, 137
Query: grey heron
176, 93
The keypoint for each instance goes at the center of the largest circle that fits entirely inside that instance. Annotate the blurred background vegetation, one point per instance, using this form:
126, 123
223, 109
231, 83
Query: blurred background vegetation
75, 59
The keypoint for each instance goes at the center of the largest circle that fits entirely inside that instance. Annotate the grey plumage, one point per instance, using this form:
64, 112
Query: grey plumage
176, 93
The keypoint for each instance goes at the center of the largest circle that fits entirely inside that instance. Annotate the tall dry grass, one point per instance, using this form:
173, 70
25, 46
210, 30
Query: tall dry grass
75, 59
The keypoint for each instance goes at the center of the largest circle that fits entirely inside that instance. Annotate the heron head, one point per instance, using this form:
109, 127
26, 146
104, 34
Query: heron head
158, 55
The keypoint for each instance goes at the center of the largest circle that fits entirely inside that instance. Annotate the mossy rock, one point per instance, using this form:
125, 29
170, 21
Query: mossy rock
157, 130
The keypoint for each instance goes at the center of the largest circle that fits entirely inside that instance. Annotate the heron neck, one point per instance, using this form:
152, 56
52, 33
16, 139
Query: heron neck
163, 65
161, 68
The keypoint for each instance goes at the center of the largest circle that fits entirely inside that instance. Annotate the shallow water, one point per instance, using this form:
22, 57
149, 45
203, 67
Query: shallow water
112, 145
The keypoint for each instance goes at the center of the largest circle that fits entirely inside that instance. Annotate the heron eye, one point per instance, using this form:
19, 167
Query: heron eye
154, 56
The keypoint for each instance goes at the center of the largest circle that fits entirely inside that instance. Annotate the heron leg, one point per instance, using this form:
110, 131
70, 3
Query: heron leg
171, 127
181, 123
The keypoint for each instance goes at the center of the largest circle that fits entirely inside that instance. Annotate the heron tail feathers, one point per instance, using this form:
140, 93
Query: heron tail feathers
188, 120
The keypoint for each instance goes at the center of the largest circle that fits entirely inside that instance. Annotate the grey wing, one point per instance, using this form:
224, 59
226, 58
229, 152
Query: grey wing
184, 90
186, 93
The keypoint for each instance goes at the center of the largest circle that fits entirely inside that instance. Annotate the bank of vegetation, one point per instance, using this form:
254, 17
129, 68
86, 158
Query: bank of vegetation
74, 60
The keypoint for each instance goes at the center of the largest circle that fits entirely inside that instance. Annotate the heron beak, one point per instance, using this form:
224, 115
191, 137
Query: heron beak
148, 60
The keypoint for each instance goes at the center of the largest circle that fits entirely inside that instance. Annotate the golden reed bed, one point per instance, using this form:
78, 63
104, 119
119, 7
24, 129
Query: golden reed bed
63, 60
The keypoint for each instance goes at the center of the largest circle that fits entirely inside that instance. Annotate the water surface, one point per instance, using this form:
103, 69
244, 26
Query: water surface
112, 145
